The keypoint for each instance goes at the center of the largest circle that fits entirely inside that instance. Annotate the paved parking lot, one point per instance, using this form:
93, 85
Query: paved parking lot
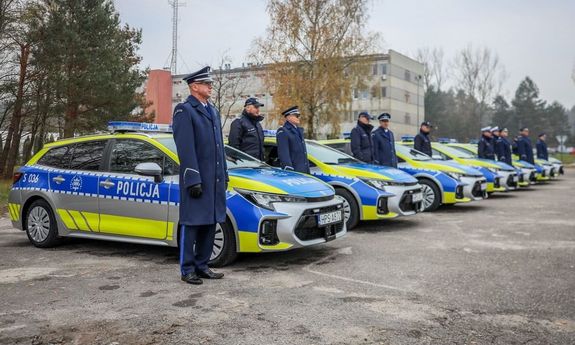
501, 271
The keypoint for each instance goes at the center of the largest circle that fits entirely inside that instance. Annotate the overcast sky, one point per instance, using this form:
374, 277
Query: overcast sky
534, 38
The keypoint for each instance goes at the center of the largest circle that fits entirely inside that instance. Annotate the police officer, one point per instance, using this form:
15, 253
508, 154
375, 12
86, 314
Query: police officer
485, 148
542, 147
384, 143
503, 147
246, 133
292, 152
421, 142
524, 147
361, 143
494, 135
203, 177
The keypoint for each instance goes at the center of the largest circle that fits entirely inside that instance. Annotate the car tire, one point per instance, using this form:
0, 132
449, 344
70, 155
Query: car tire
224, 245
431, 195
41, 226
351, 208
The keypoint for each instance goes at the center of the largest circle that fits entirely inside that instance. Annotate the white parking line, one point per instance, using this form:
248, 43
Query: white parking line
346, 251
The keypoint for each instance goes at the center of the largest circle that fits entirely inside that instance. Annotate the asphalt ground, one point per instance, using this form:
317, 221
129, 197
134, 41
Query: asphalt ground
499, 271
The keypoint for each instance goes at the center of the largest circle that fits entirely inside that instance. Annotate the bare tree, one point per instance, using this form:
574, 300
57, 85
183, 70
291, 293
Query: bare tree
228, 87
433, 61
313, 48
480, 74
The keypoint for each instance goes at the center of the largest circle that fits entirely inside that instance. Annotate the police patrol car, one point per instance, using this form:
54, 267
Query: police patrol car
441, 185
124, 187
369, 192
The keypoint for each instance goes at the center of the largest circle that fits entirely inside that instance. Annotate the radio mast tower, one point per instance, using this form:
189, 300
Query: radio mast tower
174, 55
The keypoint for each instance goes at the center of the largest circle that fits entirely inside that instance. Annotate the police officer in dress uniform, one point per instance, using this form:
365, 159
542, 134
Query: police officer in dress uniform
524, 148
203, 177
485, 148
384, 143
503, 147
542, 147
292, 152
361, 142
422, 142
246, 132
494, 136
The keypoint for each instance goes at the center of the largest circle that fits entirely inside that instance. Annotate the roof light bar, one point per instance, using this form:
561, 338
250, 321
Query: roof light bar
127, 126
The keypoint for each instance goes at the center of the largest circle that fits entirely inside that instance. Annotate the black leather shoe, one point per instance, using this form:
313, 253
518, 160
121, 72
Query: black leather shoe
192, 278
209, 274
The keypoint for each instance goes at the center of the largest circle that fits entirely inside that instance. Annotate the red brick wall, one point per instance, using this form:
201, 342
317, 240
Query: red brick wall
159, 93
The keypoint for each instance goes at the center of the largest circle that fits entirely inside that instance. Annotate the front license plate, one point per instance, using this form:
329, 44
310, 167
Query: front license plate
417, 197
484, 186
329, 218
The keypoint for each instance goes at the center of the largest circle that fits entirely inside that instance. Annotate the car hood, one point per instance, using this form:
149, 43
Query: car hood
459, 168
486, 163
364, 170
272, 180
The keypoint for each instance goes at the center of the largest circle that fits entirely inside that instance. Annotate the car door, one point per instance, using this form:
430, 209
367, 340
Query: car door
73, 179
131, 204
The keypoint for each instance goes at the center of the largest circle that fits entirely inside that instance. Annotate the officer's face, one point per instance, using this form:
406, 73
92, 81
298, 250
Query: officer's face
496, 133
252, 109
525, 133
487, 134
504, 134
204, 90
363, 120
293, 119
425, 129
384, 123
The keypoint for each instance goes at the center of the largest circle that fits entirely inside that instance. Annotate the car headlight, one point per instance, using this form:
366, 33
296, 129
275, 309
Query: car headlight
455, 175
266, 200
493, 170
379, 184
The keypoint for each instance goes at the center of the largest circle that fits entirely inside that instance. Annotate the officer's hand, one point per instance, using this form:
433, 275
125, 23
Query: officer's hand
196, 191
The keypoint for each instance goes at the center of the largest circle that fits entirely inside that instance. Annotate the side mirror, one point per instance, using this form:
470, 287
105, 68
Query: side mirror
150, 169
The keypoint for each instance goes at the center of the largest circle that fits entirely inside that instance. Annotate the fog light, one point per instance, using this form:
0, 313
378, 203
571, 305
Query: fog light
382, 206
268, 233
497, 182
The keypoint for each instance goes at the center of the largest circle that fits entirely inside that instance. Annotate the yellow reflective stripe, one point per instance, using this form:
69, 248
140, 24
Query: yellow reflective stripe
67, 219
370, 213
79, 220
249, 243
361, 173
11, 211
93, 220
449, 198
245, 183
136, 227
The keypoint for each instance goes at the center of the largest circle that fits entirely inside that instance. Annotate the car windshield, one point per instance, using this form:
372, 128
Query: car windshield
464, 150
328, 155
411, 153
234, 158
453, 152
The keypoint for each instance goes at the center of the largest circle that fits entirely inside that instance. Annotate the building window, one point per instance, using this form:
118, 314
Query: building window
374, 91
407, 118
384, 92
374, 69
355, 93
407, 96
383, 69
407, 75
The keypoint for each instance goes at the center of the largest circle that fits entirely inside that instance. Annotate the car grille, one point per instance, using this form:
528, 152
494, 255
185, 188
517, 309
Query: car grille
406, 203
532, 176
510, 181
521, 179
307, 228
543, 173
320, 198
561, 171
497, 182
459, 192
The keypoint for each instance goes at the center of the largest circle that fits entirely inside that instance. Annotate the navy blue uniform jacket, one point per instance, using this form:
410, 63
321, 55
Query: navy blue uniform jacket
503, 150
422, 143
361, 143
384, 148
247, 135
198, 137
525, 150
542, 150
292, 152
485, 148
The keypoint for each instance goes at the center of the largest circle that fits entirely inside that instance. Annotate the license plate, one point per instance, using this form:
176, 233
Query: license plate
329, 218
483, 186
417, 197
516, 178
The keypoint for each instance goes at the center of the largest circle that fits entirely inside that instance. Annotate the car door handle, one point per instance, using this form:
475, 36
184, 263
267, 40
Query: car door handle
107, 184
58, 179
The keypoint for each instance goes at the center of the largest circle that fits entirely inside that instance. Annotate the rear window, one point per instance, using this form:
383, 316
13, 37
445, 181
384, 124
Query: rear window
58, 157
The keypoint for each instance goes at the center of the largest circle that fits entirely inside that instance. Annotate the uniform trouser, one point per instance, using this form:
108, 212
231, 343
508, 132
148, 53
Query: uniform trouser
196, 245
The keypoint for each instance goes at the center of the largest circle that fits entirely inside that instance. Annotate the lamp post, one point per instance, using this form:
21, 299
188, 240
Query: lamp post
418, 78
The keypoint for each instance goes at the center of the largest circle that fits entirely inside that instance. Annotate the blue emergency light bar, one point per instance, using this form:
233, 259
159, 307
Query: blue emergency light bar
270, 133
346, 135
447, 140
407, 138
127, 126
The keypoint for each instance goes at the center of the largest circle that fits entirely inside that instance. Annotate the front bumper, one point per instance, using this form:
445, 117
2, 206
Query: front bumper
509, 180
402, 203
475, 188
300, 228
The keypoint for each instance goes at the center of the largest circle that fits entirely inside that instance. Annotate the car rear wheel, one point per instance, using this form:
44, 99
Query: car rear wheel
350, 208
431, 195
41, 226
224, 251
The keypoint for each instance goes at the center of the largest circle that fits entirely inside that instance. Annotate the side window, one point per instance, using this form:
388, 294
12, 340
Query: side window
58, 157
127, 154
88, 155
